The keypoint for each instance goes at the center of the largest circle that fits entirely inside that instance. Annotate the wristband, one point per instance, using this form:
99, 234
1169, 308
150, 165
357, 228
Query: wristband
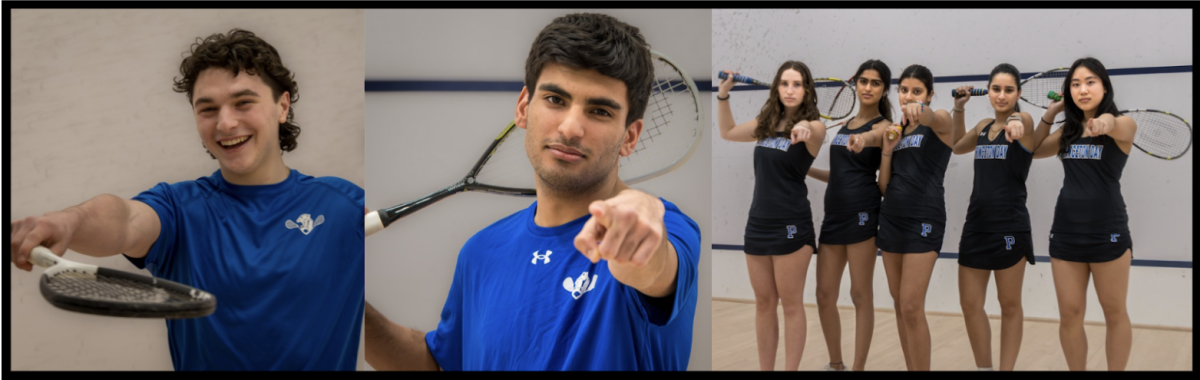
1044, 121
723, 99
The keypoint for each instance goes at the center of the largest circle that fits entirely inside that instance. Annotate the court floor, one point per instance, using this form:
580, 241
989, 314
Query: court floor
734, 347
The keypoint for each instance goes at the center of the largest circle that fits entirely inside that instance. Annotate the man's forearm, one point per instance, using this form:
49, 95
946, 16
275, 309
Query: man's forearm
108, 225
392, 347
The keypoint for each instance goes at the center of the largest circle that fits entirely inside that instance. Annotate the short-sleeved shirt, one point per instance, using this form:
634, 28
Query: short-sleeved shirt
285, 262
523, 298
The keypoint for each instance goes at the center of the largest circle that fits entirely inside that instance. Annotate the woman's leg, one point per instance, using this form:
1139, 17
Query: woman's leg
861, 256
918, 268
1070, 285
893, 265
791, 270
831, 262
1012, 315
1112, 286
972, 294
766, 300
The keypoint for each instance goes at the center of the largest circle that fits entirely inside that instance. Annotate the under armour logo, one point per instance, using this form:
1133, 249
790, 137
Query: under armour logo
580, 285
1008, 242
862, 218
306, 223
545, 258
1114, 237
791, 231
926, 229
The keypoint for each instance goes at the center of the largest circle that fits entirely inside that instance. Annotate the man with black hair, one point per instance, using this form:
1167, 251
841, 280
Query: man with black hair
281, 251
611, 283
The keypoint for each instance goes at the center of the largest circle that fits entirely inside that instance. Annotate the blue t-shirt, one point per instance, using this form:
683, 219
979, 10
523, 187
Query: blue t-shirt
523, 298
285, 262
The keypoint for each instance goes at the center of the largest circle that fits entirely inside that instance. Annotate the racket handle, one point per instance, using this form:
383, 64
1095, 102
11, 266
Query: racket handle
974, 92
42, 257
372, 223
741, 79
892, 134
1054, 96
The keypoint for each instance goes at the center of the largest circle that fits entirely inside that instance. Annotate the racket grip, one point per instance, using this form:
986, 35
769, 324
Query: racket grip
738, 78
1054, 96
892, 134
372, 223
42, 257
974, 92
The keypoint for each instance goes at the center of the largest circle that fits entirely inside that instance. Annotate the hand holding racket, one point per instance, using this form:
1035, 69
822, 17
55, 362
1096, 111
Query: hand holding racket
741, 78
91, 289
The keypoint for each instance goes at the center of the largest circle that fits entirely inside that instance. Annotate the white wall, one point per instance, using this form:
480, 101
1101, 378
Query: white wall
971, 42
93, 112
420, 142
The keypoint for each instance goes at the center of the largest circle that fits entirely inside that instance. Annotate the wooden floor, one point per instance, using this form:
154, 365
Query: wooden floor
734, 346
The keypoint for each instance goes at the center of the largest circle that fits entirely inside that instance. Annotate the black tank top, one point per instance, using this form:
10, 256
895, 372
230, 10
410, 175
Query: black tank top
998, 199
852, 186
779, 172
918, 172
1090, 201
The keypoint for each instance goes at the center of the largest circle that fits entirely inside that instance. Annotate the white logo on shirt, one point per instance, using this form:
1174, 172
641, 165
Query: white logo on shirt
545, 258
306, 223
580, 285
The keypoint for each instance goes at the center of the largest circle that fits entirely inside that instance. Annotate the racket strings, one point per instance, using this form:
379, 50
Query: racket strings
109, 289
1035, 90
509, 165
1161, 134
671, 125
835, 99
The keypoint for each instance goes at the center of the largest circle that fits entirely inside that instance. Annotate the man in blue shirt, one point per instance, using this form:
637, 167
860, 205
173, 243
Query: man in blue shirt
281, 251
592, 276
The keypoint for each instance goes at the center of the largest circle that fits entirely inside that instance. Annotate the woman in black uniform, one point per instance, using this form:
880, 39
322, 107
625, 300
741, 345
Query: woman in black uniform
996, 235
912, 216
1090, 234
779, 237
851, 219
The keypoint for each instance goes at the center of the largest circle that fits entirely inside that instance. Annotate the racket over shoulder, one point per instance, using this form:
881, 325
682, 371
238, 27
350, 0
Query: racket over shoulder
835, 98
92, 289
1160, 133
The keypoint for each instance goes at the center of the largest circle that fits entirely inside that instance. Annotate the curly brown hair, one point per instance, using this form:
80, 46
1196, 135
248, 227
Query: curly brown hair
237, 51
772, 112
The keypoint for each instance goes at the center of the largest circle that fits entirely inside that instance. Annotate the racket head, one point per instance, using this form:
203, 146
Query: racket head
1035, 89
1160, 133
835, 98
672, 125
101, 291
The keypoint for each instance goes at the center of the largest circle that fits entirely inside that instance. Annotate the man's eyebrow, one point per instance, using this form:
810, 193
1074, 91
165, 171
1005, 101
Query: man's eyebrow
601, 101
246, 92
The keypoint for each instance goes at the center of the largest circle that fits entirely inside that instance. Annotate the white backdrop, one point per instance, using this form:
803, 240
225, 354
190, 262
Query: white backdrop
93, 112
971, 42
420, 142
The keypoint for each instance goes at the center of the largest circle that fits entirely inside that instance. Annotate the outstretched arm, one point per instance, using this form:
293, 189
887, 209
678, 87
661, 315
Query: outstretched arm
103, 226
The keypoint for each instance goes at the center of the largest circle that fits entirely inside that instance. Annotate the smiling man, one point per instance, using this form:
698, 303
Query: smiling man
281, 251
612, 280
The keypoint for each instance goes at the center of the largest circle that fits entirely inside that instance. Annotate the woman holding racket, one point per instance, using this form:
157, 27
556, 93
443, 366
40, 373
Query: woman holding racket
851, 219
1090, 234
912, 216
996, 236
779, 237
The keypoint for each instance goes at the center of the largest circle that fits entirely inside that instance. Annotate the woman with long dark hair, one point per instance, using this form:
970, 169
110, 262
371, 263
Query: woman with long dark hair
912, 216
1090, 233
779, 238
852, 219
996, 237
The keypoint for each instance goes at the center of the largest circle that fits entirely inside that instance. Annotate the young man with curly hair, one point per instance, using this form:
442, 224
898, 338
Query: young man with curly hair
281, 251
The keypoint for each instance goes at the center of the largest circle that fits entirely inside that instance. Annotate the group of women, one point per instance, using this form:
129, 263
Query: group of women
901, 210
